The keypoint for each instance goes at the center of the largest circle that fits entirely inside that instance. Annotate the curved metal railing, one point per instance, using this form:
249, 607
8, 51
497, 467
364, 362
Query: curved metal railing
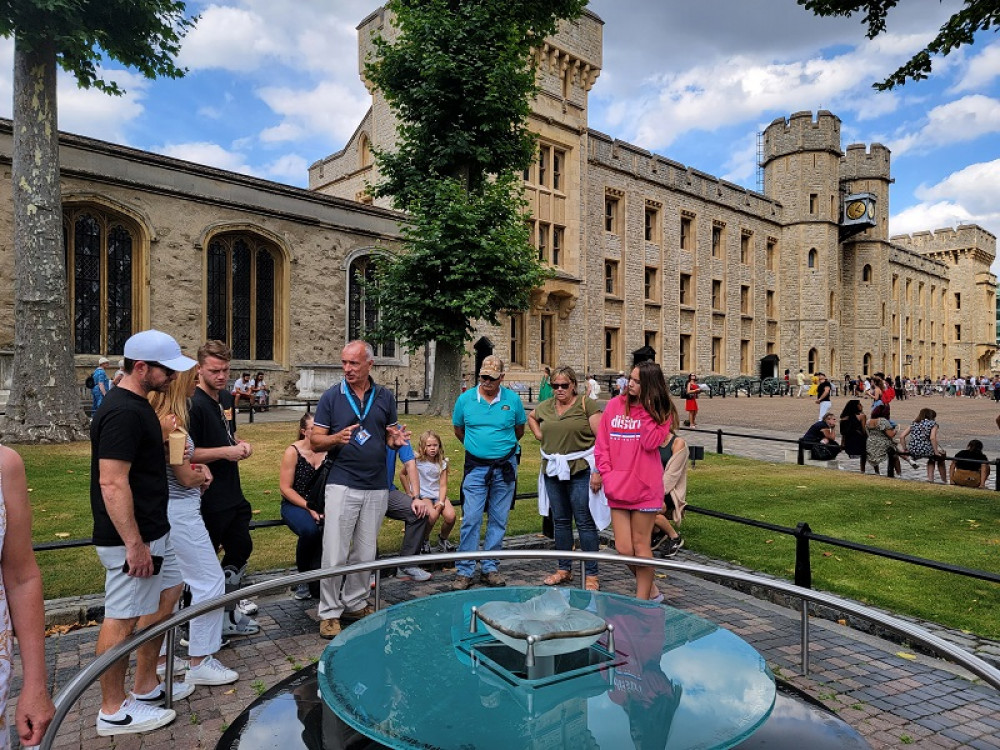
75, 688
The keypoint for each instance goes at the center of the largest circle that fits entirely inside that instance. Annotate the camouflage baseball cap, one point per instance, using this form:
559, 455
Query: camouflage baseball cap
492, 366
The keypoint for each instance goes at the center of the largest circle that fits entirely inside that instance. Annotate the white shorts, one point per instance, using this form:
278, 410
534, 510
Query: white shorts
126, 596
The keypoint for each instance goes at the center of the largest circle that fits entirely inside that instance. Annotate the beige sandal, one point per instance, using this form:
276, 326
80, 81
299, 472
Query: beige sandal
592, 583
560, 576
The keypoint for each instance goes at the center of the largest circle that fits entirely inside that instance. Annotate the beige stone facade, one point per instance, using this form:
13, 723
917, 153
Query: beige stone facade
714, 277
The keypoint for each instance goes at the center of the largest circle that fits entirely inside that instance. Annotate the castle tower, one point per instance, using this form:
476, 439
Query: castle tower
875, 318
802, 171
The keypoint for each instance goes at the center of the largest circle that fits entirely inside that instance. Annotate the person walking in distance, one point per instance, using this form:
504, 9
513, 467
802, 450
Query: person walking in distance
226, 511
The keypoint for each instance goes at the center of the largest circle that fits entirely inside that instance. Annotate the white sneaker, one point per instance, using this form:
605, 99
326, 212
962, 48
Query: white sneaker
133, 717
210, 672
414, 574
179, 666
236, 623
248, 607
159, 693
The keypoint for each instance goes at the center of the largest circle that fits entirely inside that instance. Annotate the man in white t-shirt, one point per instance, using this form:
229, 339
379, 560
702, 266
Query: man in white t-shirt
593, 387
243, 389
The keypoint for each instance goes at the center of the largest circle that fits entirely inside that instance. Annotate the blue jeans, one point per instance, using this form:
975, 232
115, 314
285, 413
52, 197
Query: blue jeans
570, 499
479, 497
309, 549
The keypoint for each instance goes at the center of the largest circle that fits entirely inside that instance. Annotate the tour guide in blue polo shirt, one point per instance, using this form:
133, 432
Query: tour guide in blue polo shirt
489, 420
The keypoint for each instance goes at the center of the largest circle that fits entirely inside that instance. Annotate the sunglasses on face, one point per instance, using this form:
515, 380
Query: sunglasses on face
488, 379
561, 386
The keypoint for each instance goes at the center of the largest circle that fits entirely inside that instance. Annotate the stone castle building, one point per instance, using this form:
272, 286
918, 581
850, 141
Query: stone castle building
645, 251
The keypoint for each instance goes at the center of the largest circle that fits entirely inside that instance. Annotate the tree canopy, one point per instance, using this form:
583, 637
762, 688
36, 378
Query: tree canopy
144, 35
459, 78
961, 28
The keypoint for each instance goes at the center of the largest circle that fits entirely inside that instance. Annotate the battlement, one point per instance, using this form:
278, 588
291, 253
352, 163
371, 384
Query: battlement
645, 165
947, 239
863, 162
802, 132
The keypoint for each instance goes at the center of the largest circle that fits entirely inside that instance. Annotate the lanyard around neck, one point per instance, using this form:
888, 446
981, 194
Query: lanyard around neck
345, 389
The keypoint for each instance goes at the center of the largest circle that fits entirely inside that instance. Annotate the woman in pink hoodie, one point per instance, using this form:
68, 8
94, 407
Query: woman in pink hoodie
633, 427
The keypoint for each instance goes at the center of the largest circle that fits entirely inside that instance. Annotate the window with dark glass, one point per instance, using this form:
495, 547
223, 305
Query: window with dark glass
241, 294
362, 313
100, 258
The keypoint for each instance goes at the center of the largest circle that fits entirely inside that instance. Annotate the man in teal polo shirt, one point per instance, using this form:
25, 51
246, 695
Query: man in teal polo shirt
489, 420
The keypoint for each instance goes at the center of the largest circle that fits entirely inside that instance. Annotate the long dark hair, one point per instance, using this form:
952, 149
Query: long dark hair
851, 408
653, 394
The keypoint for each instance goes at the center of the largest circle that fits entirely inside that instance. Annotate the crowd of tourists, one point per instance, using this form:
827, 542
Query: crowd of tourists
875, 438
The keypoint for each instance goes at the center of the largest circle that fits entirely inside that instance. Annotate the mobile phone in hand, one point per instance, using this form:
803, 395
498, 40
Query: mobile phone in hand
157, 564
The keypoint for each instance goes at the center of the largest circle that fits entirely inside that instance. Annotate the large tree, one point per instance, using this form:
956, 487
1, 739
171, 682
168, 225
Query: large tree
459, 79
76, 35
961, 28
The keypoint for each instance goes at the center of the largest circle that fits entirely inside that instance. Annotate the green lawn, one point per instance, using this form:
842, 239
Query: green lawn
952, 525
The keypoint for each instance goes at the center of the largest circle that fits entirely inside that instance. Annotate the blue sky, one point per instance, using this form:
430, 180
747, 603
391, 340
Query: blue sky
273, 86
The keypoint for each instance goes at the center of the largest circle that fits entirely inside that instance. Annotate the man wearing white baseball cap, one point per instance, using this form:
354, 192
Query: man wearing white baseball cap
128, 498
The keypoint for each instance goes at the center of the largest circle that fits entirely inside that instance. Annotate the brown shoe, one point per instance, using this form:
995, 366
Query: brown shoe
358, 613
329, 628
461, 583
493, 578
592, 583
558, 578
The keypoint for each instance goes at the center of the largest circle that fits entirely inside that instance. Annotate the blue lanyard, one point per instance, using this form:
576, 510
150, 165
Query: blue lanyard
350, 399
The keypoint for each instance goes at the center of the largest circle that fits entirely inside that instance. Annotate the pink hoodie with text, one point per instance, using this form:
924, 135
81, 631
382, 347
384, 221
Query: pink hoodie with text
628, 458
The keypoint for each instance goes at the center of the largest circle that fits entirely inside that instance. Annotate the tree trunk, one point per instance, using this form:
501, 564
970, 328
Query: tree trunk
44, 404
447, 379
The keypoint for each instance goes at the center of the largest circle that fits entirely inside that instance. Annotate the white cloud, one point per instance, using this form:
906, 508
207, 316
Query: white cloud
211, 154
982, 69
964, 119
290, 168
329, 109
98, 115
927, 216
230, 38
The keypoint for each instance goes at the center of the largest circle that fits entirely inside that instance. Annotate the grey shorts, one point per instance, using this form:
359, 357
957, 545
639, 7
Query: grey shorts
126, 596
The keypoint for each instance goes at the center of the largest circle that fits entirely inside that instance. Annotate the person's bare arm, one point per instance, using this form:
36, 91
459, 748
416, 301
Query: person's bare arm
117, 496
534, 426
221, 453
460, 433
322, 441
519, 431
23, 583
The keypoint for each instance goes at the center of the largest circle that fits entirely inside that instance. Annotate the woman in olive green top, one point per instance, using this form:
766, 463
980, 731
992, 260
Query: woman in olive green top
566, 426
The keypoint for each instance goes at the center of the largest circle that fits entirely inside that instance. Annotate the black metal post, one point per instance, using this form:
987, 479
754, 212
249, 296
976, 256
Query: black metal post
718, 441
529, 394
996, 475
406, 405
251, 412
801, 458
803, 570
890, 469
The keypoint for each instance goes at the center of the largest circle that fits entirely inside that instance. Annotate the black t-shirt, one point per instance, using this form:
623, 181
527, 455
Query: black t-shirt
125, 428
969, 465
815, 433
209, 425
823, 391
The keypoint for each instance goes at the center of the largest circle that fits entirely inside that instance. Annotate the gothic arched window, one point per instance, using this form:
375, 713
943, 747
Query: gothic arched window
242, 294
362, 313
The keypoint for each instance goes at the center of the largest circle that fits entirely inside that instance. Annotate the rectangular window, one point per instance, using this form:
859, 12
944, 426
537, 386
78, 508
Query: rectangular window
813, 202
687, 233
610, 348
745, 357
684, 353
516, 332
717, 303
543, 165
686, 294
770, 303
745, 300
650, 339
611, 277
543, 241
958, 300
958, 332
745, 248
716, 354
772, 250
716, 241
546, 342
651, 286
558, 157
611, 204
557, 244
651, 223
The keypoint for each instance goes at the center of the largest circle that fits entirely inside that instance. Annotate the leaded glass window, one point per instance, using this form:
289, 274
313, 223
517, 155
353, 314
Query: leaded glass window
241, 294
100, 258
362, 313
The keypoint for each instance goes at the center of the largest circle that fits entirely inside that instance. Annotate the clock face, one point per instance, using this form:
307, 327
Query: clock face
871, 211
856, 209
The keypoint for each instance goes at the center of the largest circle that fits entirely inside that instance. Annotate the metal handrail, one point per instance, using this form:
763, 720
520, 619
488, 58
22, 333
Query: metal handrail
75, 688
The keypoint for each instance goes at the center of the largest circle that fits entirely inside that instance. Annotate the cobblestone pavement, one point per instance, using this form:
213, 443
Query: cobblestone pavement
894, 696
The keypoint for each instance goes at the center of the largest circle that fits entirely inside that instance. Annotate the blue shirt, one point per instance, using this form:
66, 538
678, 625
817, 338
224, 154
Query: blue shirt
489, 428
405, 454
359, 465
100, 376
